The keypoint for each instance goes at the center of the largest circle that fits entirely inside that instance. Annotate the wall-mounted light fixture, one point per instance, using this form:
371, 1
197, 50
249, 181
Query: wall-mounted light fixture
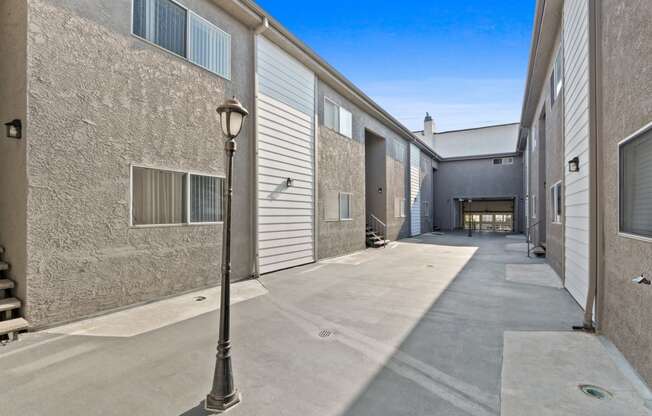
14, 129
289, 182
380, 190
574, 165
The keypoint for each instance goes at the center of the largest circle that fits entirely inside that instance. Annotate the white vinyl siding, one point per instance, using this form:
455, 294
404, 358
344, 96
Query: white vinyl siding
415, 190
636, 185
286, 143
210, 47
576, 144
184, 33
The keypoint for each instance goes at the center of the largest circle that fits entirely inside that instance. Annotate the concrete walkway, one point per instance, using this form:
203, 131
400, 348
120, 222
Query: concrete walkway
413, 329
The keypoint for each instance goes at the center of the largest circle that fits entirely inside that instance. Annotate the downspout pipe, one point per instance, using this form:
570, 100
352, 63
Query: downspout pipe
264, 25
595, 234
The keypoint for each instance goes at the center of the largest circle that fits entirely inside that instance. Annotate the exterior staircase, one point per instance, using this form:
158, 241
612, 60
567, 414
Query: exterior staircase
10, 321
376, 233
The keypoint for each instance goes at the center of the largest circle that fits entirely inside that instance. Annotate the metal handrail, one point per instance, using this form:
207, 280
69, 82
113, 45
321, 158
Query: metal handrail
528, 235
377, 225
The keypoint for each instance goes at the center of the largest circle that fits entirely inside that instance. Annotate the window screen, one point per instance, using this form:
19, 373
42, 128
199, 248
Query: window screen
209, 46
636, 185
158, 197
162, 22
331, 115
205, 199
345, 206
346, 123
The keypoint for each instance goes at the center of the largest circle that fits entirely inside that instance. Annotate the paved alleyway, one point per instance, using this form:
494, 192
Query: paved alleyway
413, 329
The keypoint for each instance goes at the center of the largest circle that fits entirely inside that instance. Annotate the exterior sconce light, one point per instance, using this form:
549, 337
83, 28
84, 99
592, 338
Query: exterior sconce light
232, 117
574, 165
14, 129
380, 190
289, 182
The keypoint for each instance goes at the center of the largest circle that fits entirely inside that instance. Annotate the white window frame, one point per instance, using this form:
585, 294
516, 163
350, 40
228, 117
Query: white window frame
508, 161
556, 209
338, 128
188, 40
621, 233
187, 174
534, 206
339, 205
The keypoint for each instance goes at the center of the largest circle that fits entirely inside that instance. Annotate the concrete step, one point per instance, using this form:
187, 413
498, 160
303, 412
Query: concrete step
9, 304
4, 266
380, 243
539, 251
13, 325
6, 284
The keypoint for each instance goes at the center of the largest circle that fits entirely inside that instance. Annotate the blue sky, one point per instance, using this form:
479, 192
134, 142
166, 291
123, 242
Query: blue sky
464, 61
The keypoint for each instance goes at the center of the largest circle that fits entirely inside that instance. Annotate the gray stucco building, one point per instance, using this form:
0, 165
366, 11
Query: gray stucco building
586, 134
115, 184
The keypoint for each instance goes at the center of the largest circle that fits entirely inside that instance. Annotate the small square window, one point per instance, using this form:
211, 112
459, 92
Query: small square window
498, 161
636, 184
345, 206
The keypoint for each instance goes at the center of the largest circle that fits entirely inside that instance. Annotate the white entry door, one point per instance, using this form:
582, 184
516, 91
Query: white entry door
285, 159
415, 190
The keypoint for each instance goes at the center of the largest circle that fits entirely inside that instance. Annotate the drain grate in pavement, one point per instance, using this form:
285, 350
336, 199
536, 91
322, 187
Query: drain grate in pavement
595, 392
325, 334
200, 298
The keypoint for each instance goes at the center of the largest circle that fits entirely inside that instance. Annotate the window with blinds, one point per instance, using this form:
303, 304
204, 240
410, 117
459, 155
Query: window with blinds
162, 197
345, 206
210, 47
636, 184
158, 197
206, 199
338, 119
178, 30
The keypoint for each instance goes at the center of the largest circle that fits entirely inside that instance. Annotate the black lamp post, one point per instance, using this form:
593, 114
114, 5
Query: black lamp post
223, 394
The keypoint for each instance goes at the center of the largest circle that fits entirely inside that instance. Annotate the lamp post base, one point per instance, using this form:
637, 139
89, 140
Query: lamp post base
221, 405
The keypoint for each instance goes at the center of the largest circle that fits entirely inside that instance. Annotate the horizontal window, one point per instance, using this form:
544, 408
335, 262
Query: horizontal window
636, 185
165, 23
338, 206
337, 118
161, 197
503, 161
158, 197
205, 199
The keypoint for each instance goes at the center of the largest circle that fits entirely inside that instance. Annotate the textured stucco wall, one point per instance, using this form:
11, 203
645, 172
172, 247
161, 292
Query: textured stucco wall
475, 179
13, 173
99, 100
341, 169
397, 178
627, 106
555, 165
395, 174
426, 193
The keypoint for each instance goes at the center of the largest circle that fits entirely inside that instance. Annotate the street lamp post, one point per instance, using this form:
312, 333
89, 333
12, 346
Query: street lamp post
223, 394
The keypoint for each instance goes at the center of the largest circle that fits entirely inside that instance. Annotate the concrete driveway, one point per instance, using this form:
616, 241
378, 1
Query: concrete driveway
413, 329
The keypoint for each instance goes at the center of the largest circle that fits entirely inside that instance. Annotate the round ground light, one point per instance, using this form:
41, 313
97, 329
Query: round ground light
595, 392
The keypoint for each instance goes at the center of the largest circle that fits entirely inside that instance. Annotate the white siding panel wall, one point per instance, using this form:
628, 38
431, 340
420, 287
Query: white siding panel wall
576, 141
285, 139
415, 190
